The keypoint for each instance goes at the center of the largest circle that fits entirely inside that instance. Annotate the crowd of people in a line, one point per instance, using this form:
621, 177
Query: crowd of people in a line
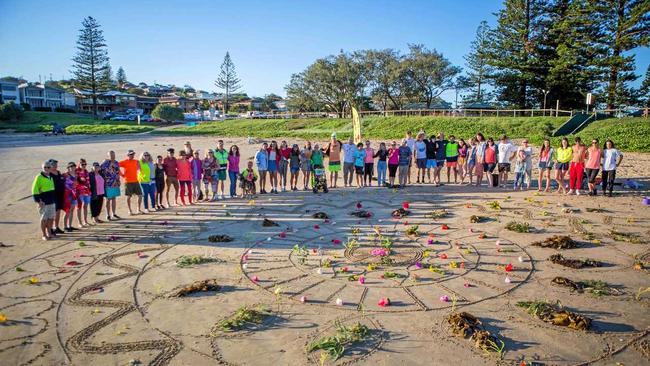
195, 178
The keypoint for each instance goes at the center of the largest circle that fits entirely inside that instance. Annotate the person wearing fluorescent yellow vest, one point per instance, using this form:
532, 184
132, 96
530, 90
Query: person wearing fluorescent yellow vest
43, 194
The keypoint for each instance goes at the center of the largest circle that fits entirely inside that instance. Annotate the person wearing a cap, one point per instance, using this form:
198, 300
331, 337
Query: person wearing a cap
110, 170
170, 164
44, 196
188, 149
221, 155
333, 151
129, 169
97, 193
59, 195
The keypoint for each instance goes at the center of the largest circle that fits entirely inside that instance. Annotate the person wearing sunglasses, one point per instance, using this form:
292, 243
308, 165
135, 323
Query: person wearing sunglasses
129, 169
147, 180
83, 192
71, 196
594, 156
43, 195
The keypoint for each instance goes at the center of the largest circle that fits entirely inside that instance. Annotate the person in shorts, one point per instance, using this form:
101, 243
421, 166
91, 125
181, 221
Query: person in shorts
349, 149
410, 143
333, 152
305, 164
451, 158
262, 162
431, 156
490, 160
129, 169
594, 157
170, 164
44, 195
505, 153
294, 166
110, 170
441, 151
359, 158
420, 156
59, 195
221, 154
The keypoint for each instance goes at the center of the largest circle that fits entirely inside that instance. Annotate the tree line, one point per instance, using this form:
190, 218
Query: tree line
538, 49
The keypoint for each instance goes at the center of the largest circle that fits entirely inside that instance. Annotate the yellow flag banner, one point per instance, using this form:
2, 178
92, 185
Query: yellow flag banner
356, 125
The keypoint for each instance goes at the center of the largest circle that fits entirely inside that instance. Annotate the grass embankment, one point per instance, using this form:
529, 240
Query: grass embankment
73, 123
630, 134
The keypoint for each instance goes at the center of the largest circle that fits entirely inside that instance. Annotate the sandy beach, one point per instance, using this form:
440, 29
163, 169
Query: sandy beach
109, 294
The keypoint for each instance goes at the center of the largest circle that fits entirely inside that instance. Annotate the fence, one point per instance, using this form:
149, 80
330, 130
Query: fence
431, 113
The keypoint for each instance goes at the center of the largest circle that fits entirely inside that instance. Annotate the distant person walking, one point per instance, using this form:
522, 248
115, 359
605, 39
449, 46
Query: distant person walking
44, 196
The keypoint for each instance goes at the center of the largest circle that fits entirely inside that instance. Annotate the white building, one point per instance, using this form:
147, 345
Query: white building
38, 95
9, 92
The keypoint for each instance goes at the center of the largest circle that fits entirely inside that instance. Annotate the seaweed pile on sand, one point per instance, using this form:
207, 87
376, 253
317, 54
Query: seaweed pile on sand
197, 287
466, 325
334, 346
573, 263
363, 214
400, 212
594, 287
320, 215
555, 314
244, 317
557, 242
219, 238
269, 223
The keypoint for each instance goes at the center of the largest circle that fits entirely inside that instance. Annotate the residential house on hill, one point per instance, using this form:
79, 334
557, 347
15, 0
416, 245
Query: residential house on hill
40, 96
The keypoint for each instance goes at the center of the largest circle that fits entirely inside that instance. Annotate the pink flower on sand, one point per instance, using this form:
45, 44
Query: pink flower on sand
418, 264
339, 302
255, 279
142, 255
336, 241
283, 235
443, 256
359, 205
379, 252
467, 285
73, 263
430, 241
509, 267
444, 298
383, 302
316, 227
303, 299
362, 280
507, 280
245, 257
405, 205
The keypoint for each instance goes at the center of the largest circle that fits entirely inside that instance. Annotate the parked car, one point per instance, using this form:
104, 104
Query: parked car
120, 118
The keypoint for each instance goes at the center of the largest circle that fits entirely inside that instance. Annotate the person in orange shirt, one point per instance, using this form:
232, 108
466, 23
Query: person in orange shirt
129, 169
185, 177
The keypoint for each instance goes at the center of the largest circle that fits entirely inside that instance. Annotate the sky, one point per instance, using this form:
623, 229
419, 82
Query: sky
183, 42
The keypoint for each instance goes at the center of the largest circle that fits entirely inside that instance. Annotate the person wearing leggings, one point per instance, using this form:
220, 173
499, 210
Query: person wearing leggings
97, 193
393, 163
368, 164
611, 160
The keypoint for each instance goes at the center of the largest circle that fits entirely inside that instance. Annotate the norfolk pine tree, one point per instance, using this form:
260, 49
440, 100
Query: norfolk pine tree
227, 80
90, 64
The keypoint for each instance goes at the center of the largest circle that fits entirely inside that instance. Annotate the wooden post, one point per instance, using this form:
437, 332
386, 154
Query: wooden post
497, 113
557, 107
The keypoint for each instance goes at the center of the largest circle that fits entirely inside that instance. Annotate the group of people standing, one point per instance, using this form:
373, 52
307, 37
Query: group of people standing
193, 177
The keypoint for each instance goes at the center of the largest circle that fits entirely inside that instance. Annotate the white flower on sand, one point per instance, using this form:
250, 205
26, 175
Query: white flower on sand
339, 302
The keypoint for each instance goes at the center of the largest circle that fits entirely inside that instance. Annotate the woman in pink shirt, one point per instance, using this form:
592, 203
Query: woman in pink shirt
368, 164
283, 164
184, 169
594, 155
490, 160
393, 163
233, 169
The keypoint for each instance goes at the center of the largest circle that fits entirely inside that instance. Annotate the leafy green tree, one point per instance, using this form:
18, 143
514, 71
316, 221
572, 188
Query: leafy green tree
299, 98
626, 26
479, 70
167, 112
228, 80
514, 52
644, 89
136, 91
91, 62
120, 77
386, 75
429, 72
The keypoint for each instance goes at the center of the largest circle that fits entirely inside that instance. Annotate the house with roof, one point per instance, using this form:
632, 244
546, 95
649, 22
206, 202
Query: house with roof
186, 104
38, 95
110, 101
9, 91
146, 103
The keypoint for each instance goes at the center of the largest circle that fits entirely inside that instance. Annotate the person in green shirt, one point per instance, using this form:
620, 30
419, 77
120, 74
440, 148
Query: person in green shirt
451, 157
563, 156
221, 154
43, 195
317, 157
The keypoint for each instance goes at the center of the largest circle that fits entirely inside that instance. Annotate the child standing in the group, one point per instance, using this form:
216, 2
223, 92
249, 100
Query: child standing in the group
160, 182
359, 158
420, 157
577, 167
283, 166
594, 156
545, 165
294, 166
233, 169
262, 162
185, 177
611, 160
305, 164
382, 165
83, 190
248, 175
317, 158
404, 159
369, 164
209, 166
520, 168
393, 163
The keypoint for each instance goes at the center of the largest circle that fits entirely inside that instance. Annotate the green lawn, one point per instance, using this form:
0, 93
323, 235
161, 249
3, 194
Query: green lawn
74, 123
